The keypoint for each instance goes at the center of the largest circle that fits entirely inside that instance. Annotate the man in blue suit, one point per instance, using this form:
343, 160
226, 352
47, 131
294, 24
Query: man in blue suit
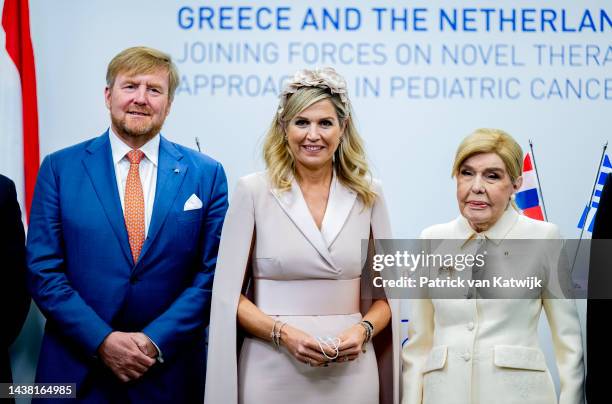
122, 247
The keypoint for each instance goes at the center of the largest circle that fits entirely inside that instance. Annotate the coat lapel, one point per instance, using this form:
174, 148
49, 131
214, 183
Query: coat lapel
339, 205
170, 175
497, 233
99, 167
293, 204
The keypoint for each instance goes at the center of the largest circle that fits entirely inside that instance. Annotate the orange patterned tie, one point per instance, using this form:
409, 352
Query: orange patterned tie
134, 205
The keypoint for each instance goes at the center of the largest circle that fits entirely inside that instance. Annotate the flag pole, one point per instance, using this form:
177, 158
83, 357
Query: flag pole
535, 167
588, 207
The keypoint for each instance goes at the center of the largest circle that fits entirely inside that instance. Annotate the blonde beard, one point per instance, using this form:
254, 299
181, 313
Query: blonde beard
146, 132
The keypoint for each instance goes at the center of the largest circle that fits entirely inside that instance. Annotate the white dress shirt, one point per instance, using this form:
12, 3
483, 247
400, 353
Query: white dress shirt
148, 178
147, 171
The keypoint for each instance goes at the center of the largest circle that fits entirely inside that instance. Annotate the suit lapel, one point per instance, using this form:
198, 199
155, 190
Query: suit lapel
99, 167
170, 175
293, 204
339, 206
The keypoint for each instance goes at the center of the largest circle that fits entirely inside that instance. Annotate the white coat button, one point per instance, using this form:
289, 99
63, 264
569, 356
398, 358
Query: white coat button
470, 326
466, 356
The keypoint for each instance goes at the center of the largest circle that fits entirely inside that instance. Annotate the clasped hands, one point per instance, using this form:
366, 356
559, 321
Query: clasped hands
128, 354
305, 348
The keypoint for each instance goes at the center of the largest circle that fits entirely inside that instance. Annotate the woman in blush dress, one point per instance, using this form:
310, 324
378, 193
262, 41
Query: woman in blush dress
290, 263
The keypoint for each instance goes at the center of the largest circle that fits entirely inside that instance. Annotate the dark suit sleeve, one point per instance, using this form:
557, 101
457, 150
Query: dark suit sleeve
16, 300
50, 287
600, 277
191, 310
602, 229
599, 305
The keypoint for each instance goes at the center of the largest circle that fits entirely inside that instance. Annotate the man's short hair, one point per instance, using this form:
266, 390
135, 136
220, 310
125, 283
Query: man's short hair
143, 60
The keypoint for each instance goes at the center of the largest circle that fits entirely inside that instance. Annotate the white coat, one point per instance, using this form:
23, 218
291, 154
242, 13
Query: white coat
476, 351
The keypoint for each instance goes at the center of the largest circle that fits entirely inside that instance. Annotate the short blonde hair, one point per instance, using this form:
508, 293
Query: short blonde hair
142, 60
491, 141
350, 161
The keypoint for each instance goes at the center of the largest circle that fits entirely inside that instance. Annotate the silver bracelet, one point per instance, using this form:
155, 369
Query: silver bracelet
273, 335
278, 335
369, 329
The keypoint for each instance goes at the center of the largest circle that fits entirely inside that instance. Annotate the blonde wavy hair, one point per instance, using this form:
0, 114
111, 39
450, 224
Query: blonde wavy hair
350, 161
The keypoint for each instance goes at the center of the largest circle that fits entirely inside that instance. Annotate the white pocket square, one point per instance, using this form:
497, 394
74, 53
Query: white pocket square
193, 203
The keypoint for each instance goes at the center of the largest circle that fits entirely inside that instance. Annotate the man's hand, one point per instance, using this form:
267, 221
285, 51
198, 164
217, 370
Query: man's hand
123, 356
144, 344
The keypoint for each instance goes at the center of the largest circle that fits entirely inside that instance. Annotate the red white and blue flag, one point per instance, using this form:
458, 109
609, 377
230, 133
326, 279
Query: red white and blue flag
527, 197
19, 152
588, 215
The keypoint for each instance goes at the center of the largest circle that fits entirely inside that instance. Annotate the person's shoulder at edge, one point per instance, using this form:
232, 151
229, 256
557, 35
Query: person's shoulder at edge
5, 181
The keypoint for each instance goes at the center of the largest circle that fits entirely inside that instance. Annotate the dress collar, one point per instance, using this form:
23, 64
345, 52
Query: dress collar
120, 149
496, 233
339, 205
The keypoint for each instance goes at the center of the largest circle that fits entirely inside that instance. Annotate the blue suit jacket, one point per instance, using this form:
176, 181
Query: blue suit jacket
82, 276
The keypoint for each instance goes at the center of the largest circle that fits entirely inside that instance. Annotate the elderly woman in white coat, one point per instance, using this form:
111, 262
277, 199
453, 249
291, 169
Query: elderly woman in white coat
289, 266
486, 351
